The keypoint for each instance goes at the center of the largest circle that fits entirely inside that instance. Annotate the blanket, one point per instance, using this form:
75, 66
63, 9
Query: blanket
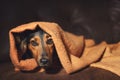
74, 52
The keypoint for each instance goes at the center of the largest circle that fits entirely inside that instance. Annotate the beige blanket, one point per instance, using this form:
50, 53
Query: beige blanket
73, 51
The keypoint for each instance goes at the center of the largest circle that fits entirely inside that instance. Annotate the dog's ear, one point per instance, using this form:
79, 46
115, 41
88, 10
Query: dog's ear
17, 40
38, 28
17, 37
20, 42
23, 46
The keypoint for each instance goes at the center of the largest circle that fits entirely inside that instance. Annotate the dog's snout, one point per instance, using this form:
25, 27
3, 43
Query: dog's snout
44, 61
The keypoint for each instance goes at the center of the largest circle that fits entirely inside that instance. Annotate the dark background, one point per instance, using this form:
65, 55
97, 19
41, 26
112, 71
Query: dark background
96, 19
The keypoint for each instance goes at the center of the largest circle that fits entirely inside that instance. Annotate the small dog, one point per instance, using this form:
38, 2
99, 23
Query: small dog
36, 44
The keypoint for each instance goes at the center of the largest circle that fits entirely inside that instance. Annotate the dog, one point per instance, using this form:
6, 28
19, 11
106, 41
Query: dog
36, 44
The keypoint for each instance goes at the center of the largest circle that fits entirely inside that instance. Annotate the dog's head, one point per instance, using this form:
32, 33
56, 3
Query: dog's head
39, 45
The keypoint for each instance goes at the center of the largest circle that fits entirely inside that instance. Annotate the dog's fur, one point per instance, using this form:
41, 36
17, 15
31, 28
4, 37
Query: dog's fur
36, 44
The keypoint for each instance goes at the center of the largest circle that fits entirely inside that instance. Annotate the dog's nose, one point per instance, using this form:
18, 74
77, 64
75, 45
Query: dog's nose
44, 61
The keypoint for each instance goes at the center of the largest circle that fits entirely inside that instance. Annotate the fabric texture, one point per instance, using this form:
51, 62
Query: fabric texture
74, 51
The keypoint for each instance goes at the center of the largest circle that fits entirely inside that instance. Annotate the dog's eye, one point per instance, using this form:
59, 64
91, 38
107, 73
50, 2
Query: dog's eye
49, 41
34, 43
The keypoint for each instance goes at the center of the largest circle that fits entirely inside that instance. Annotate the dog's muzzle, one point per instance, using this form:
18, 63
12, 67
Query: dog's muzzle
44, 61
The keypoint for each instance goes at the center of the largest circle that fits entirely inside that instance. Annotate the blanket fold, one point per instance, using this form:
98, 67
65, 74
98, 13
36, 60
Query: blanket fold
74, 52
